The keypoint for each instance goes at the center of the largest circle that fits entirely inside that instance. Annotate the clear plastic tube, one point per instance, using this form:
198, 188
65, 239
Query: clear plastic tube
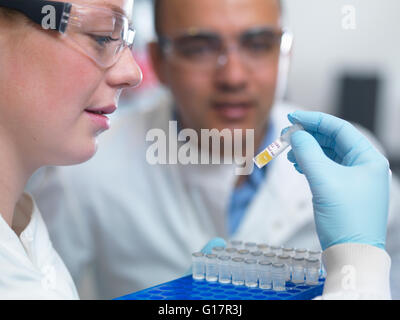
237, 271
250, 273
300, 253
251, 246
263, 247
257, 255
276, 148
297, 269
211, 267
224, 265
278, 277
312, 271
276, 249
198, 266
264, 274
218, 250
243, 253
230, 251
270, 256
286, 261
238, 244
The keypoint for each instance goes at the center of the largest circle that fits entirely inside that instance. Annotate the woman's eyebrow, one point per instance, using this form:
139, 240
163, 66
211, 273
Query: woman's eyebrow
114, 8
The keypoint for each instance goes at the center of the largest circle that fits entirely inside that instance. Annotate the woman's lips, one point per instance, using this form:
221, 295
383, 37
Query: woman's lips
99, 120
97, 115
232, 111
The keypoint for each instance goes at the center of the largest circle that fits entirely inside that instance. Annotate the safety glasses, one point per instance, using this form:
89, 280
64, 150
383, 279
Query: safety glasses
100, 33
206, 50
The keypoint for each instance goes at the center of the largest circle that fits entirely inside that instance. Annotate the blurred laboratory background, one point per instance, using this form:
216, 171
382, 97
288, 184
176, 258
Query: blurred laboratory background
345, 61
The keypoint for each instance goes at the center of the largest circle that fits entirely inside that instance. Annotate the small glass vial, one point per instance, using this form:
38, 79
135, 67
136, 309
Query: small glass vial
243, 253
237, 271
278, 277
198, 266
264, 274
238, 244
256, 255
297, 270
263, 247
312, 271
317, 255
211, 267
224, 265
276, 249
286, 261
288, 251
250, 273
230, 251
270, 256
300, 253
218, 250
251, 246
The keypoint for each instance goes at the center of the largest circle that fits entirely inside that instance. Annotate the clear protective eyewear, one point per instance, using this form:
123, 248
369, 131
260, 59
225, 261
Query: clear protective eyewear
100, 33
205, 49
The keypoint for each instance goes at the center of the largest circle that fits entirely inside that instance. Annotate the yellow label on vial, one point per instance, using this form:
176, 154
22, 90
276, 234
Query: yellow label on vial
262, 159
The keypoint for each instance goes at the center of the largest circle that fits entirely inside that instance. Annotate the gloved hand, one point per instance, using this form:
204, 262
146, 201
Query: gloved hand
207, 249
216, 242
349, 179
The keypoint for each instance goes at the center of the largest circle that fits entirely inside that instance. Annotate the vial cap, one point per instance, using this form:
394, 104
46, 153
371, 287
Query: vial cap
262, 246
269, 255
218, 248
278, 265
250, 244
265, 263
251, 261
244, 251
236, 242
230, 250
198, 254
238, 259
211, 256
224, 258
298, 259
283, 257
256, 253
301, 250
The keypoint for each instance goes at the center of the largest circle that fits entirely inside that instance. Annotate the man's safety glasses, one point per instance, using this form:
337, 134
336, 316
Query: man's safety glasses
206, 50
100, 33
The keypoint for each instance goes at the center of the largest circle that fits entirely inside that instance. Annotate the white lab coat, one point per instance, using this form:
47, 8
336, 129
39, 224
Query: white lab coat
134, 225
30, 268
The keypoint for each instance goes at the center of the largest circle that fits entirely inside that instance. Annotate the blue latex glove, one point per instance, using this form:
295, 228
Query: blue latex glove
216, 242
349, 179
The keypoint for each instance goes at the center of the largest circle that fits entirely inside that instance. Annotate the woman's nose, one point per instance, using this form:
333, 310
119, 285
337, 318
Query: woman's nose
126, 72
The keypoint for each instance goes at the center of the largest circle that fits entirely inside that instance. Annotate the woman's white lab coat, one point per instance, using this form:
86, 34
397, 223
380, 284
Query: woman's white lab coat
29, 266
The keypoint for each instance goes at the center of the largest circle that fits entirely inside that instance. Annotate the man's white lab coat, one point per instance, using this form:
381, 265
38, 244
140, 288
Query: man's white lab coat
135, 225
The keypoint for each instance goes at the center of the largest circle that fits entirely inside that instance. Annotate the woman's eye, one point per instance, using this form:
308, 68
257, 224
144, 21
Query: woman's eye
103, 40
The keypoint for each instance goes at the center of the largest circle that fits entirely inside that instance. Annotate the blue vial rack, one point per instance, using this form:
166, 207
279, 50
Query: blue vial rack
187, 288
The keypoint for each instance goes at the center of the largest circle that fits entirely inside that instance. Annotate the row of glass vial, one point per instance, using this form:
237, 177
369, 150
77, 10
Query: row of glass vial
238, 247
252, 273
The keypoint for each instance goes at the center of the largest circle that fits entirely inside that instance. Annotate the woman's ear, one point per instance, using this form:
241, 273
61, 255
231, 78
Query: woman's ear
158, 60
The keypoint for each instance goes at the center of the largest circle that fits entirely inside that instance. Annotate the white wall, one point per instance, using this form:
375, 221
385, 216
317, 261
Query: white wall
323, 48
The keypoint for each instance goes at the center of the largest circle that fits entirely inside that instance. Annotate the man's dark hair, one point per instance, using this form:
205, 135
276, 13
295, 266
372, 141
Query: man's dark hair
157, 14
